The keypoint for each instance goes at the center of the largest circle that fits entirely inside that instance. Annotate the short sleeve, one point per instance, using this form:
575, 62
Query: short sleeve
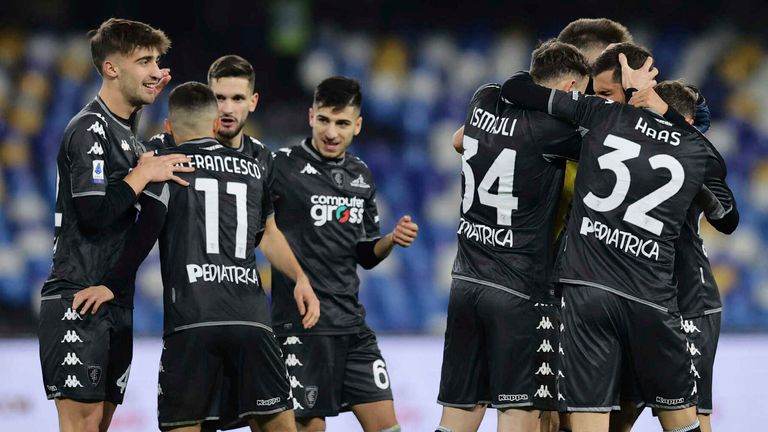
86, 155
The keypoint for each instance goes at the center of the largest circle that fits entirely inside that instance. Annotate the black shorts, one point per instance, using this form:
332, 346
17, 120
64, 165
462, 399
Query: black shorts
331, 374
703, 334
85, 358
500, 349
607, 338
220, 374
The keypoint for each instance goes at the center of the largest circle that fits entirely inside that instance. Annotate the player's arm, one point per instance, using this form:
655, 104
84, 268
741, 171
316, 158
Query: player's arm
119, 283
371, 252
458, 140
716, 198
275, 247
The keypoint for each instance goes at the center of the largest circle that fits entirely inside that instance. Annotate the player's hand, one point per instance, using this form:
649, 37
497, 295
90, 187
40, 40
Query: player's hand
648, 98
166, 78
94, 296
405, 232
639, 79
307, 302
162, 168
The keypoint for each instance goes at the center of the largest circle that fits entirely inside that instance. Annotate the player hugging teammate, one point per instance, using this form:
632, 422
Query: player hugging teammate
639, 309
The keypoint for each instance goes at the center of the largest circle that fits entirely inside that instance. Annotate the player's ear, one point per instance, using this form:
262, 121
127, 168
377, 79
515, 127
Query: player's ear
311, 117
167, 126
109, 68
216, 126
689, 121
358, 124
254, 102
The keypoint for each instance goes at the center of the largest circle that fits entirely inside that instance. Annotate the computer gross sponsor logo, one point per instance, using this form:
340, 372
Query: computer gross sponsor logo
327, 208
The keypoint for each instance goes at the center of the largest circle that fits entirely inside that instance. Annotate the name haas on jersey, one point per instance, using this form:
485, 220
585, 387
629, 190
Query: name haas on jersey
327, 208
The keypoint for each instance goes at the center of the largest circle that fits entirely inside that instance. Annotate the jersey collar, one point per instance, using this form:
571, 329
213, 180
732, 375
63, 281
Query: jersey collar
121, 121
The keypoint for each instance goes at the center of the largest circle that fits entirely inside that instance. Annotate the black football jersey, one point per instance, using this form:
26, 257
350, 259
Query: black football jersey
512, 171
97, 149
324, 208
638, 175
208, 241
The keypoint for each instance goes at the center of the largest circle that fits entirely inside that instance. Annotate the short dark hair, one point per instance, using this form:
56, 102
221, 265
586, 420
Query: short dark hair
609, 59
232, 66
553, 59
192, 96
678, 96
123, 36
338, 92
589, 33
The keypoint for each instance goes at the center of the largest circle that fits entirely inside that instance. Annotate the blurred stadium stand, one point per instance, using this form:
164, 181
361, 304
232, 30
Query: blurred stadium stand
416, 84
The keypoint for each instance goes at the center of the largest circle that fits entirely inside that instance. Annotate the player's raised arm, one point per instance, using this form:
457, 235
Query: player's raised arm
277, 250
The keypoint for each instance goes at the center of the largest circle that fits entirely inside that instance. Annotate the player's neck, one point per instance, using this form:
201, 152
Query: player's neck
116, 102
184, 137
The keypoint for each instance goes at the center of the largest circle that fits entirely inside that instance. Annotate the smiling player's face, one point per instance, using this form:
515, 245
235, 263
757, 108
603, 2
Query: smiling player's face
138, 75
333, 130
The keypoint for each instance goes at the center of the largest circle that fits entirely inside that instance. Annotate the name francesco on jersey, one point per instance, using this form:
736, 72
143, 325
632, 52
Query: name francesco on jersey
326, 208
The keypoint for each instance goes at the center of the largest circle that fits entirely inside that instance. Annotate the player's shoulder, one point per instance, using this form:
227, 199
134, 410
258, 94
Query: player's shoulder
355, 163
254, 142
159, 141
91, 119
486, 92
288, 153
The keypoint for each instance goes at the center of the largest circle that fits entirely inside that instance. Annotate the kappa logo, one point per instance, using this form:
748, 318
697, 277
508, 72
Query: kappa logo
71, 359
360, 183
71, 315
98, 129
96, 149
688, 326
667, 401
124, 145
562, 327
694, 371
72, 382
309, 169
545, 369
297, 405
161, 369
560, 349
159, 389
94, 375
545, 324
71, 337
295, 382
560, 396
692, 349
512, 397
695, 388
545, 346
51, 388
292, 361
310, 394
543, 392
560, 374
267, 402
292, 340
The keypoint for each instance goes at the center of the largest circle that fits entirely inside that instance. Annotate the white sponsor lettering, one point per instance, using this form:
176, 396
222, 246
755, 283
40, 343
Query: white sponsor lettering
662, 135
72, 382
71, 337
622, 240
490, 123
267, 402
71, 315
218, 273
489, 236
71, 359
512, 397
343, 209
667, 401
309, 169
543, 392
545, 346
98, 129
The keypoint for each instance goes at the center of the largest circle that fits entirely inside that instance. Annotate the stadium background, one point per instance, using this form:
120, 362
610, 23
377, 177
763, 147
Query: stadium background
418, 65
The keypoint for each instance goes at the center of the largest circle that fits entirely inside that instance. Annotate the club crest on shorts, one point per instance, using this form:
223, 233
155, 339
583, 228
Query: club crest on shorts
338, 177
310, 394
94, 375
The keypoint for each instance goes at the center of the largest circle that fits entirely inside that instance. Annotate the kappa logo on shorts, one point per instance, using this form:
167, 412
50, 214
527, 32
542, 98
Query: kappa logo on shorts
71, 337
545, 346
688, 326
560, 349
51, 388
692, 349
71, 315
292, 361
694, 371
295, 382
159, 389
297, 405
544, 369
543, 392
292, 340
695, 388
94, 375
71, 360
560, 396
310, 395
545, 324
72, 382
560, 374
